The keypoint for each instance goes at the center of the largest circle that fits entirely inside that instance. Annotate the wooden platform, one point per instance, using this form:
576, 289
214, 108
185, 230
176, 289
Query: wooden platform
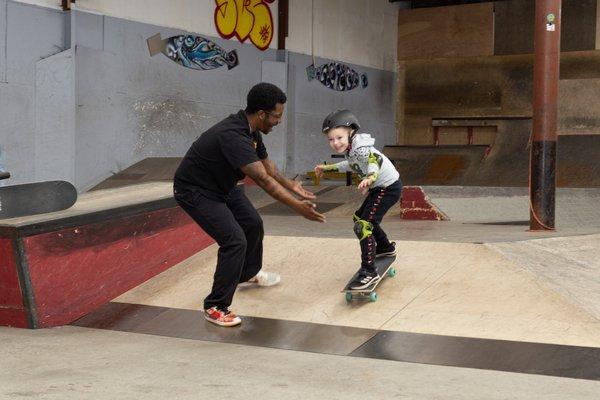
57, 267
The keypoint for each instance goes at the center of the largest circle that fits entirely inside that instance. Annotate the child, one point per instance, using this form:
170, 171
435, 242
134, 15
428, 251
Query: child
378, 177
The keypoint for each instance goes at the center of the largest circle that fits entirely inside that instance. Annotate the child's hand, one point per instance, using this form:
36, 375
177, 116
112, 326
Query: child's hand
363, 186
319, 171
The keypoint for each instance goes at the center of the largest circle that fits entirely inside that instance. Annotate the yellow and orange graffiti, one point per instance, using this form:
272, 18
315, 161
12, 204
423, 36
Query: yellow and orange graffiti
245, 18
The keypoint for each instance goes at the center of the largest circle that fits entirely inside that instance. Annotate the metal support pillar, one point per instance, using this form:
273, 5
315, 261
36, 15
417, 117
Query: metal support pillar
542, 182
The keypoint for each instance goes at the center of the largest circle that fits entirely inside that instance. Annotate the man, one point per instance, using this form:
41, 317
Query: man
205, 186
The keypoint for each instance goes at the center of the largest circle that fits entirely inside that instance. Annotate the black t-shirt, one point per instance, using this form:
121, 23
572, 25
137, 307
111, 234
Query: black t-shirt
212, 164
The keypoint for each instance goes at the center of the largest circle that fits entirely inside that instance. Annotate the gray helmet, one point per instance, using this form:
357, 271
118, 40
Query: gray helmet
340, 118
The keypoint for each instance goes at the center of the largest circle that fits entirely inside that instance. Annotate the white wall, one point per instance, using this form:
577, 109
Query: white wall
362, 32
44, 3
189, 15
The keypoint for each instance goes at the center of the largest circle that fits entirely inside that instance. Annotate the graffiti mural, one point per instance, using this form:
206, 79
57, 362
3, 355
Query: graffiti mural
193, 52
245, 19
337, 76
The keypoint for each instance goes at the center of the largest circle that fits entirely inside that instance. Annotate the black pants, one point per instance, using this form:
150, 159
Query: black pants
376, 204
238, 230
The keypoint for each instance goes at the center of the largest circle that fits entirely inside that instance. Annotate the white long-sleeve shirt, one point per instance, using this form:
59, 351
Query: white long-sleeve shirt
364, 159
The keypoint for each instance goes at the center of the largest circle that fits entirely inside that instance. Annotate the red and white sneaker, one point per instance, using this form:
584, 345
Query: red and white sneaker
221, 318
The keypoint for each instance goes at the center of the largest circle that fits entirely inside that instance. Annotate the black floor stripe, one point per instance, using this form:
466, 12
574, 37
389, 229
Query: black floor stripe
488, 354
499, 355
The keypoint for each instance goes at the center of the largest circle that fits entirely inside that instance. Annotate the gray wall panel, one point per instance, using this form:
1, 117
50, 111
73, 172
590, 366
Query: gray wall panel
33, 33
290, 135
275, 72
142, 74
100, 117
3, 40
55, 118
17, 136
131, 106
88, 29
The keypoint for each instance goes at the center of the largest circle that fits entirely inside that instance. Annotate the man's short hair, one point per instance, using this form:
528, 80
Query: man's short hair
264, 96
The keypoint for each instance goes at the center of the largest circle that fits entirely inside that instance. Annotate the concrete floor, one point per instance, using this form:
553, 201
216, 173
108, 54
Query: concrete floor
78, 363
461, 278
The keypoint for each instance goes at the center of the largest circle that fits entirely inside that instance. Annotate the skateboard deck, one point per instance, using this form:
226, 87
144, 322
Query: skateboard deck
36, 198
384, 268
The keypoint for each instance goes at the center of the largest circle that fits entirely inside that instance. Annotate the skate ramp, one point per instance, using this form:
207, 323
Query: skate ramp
457, 289
435, 165
151, 169
504, 164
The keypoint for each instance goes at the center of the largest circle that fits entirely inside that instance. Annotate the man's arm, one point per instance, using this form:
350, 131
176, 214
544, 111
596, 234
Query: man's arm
272, 170
258, 173
291, 185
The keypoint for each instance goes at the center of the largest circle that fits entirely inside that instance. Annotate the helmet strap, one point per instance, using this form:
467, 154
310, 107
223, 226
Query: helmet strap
350, 137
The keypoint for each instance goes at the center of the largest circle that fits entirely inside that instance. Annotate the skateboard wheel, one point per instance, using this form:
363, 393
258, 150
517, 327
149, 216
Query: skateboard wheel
392, 272
373, 296
348, 297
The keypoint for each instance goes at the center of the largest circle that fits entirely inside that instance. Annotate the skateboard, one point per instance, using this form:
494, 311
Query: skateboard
384, 268
194, 52
36, 198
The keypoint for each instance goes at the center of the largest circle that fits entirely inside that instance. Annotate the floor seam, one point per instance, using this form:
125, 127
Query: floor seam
421, 292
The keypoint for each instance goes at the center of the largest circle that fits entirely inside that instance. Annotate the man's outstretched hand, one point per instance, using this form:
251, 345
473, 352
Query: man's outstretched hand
308, 210
304, 194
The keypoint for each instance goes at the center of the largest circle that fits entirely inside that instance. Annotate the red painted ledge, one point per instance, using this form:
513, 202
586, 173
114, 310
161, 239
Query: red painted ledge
59, 276
416, 205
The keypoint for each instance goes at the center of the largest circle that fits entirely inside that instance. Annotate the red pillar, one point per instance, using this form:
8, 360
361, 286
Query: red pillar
542, 185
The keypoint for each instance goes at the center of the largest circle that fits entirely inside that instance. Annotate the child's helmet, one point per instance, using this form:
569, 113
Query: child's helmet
340, 118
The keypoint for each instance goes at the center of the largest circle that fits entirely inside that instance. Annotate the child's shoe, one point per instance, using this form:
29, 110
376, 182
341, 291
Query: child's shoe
389, 251
221, 317
365, 279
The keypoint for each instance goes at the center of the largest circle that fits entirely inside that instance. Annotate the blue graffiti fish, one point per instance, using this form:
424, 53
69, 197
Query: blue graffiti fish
193, 52
337, 76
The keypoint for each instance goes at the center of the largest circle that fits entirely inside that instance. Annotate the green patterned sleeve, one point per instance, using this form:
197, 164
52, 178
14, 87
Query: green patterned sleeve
329, 167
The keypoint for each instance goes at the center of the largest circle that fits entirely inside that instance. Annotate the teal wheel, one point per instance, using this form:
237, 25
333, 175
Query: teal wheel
392, 272
373, 296
348, 297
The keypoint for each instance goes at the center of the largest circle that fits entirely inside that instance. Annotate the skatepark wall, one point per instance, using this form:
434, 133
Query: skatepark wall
131, 106
373, 44
36, 92
85, 100
487, 72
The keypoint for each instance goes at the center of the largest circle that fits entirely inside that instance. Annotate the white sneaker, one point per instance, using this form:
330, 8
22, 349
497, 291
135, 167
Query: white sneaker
263, 278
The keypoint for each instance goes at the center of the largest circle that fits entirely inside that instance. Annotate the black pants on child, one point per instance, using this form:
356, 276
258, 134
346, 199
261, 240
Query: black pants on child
238, 230
376, 205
